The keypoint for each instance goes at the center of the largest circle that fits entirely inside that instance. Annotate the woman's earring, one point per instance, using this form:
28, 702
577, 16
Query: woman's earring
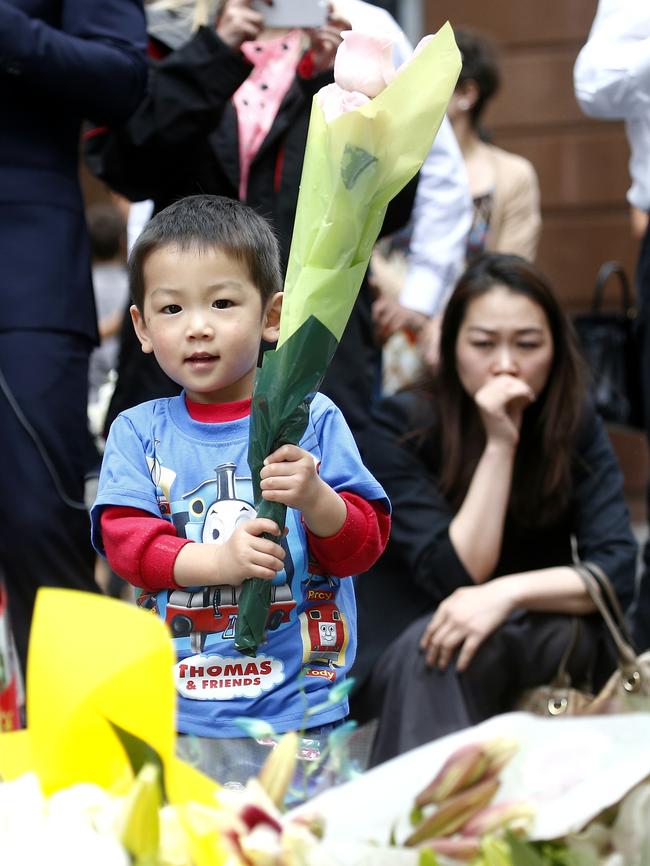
463, 104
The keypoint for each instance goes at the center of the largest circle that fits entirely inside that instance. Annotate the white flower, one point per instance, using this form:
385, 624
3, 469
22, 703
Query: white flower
364, 63
334, 101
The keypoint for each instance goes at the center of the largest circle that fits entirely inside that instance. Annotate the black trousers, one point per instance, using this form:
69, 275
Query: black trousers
640, 613
43, 540
416, 704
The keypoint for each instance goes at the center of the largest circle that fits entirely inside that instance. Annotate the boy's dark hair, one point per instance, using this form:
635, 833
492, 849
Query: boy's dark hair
480, 65
206, 222
107, 232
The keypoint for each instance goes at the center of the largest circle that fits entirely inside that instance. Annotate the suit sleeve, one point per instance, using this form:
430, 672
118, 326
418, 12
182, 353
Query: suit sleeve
94, 64
421, 514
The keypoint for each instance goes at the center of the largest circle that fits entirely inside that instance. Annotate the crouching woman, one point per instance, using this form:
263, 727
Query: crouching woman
501, 477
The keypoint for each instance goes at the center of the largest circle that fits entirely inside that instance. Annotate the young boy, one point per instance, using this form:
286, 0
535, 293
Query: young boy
174, 513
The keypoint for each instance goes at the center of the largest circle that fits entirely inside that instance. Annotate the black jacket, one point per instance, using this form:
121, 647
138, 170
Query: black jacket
420, 567
60, 61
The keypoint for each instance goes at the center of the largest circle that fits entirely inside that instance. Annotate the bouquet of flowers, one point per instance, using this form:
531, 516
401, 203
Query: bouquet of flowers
368, 135
516, 790
94, 778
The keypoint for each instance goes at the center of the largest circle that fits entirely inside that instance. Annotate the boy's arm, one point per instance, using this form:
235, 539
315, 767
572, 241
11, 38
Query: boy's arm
140, 547
359, 543
346, 532
146, 551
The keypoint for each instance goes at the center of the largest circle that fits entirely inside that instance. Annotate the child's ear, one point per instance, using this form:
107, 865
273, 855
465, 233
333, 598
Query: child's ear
140, 329
271, 330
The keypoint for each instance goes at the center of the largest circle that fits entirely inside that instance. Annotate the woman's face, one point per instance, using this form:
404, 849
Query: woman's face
503, 333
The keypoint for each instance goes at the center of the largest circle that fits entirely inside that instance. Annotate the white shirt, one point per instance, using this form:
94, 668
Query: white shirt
612, 80
442, 212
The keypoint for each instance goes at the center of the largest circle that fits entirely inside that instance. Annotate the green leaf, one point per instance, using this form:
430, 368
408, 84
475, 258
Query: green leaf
140, 753
495, 852
427, 858
338, 738
543, 854
523, 853
258, 729
340, 690
355, 161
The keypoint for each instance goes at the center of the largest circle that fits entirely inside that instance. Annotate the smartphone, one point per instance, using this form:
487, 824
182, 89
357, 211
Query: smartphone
292, 13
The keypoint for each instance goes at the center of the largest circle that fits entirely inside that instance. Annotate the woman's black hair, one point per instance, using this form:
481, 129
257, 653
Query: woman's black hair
479, 65
542, 475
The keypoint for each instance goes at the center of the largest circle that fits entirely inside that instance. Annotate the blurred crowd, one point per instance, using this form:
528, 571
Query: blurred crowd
459, 373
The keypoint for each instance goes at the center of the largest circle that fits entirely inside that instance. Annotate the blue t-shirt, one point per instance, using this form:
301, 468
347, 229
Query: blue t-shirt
196, 475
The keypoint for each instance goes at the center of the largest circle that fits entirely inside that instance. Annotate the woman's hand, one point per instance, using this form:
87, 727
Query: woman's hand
464, 620
325, 40
238, 23
501, 403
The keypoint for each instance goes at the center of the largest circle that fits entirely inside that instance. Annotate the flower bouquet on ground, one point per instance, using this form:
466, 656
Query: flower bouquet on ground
95, 780
368, 136
517, 790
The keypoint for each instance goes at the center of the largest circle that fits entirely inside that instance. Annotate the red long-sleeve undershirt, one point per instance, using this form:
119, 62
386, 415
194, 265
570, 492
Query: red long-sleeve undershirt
142, 548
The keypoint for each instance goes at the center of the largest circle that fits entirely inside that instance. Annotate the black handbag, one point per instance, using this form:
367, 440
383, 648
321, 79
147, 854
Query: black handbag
610, 344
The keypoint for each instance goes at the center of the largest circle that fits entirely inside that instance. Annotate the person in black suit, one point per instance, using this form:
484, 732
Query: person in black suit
61, 61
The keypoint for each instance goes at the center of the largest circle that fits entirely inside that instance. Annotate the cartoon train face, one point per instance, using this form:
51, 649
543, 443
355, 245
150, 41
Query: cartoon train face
325, 631
214, 609
227, 513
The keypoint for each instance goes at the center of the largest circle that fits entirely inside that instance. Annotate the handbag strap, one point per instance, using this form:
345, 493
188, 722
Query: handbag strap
562, 678
610, 598
606, 271
626, 655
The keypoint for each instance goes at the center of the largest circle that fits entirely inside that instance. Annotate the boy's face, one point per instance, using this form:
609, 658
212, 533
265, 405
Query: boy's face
203, 320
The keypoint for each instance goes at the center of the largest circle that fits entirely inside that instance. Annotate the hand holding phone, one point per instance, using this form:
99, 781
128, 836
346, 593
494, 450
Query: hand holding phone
240, 22
325, 42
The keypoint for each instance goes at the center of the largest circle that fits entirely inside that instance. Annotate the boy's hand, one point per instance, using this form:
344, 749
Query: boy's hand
246, 554
290, 476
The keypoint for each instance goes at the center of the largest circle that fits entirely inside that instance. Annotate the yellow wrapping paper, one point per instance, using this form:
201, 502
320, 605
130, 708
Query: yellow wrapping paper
336, 226
94, 661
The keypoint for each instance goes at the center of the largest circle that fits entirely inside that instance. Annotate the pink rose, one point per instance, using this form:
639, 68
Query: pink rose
364, 63
334, 101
